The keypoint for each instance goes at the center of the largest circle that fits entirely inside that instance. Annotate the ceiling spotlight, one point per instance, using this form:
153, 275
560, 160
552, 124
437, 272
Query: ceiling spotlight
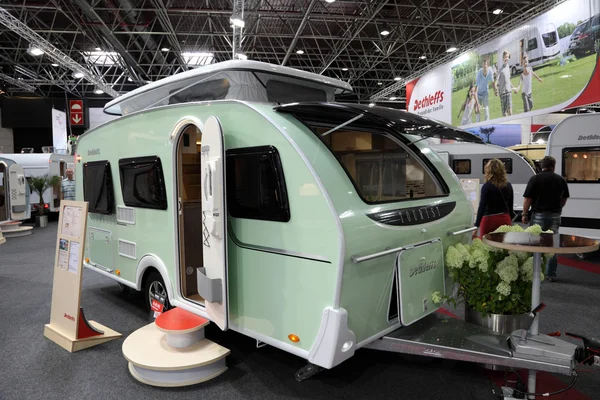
393, 98
77, 75
236, 21
98, 49
98, 91
299, 51
379, 83
397, 78
344, 69
241, 56
35, 51
165, 49
330, 1
54, 64
423, 57
129, 79
497, 11
451, 49
385, 33
371, 104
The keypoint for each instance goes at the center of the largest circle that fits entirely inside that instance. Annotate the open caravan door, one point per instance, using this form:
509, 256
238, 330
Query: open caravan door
18, 193
212, 277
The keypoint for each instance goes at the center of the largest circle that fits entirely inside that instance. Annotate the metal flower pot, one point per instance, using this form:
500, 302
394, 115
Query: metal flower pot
499, 323
41, 221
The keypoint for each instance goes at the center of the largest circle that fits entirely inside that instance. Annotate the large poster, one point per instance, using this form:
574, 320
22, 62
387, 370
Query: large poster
59, 130
543, 66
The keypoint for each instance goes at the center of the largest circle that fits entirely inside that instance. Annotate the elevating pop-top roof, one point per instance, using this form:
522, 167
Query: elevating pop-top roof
241, 80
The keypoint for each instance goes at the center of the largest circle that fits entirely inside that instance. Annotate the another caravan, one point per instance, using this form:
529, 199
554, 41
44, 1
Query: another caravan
39, 164
14, 192
533, 152
468, 160
575, 144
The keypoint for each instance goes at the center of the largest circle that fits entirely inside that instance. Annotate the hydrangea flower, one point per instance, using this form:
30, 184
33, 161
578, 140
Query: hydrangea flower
521, 255
477, 244
436, 297
508, 269
527, 270
454, 258
535, 229
504, 228
503, 288
462, 250
479, 259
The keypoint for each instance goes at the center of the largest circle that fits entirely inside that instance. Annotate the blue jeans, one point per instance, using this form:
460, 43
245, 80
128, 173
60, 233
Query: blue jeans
548, 221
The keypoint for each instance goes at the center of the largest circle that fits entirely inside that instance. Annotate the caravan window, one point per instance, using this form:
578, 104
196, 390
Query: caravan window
380, 167
508, 164
142, 183
532, 44
98, 187
581, 165
550, 39
461, 167
256, 185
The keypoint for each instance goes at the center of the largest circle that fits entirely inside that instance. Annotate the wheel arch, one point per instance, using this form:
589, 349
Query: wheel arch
146, 264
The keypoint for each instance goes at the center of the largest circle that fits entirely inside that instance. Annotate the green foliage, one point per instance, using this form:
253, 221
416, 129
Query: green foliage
491, 280
39, 184
566, 29
487, 132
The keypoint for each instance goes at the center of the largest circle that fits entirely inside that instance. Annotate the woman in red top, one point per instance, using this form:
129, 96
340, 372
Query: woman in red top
496, 203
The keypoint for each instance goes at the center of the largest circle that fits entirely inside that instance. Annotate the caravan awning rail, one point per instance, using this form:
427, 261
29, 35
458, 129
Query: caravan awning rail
383, 118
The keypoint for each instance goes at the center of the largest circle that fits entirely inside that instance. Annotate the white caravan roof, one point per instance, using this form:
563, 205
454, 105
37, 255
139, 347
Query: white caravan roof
29, 160
236, 79
577, 130
469, 148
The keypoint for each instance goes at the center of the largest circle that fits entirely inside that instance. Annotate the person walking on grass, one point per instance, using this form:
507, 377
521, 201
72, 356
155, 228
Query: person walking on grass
526, 82
470, 106
546, 194
484, 77
504, 86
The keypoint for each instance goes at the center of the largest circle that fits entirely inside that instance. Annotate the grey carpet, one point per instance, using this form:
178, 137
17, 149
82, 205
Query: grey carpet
32, 367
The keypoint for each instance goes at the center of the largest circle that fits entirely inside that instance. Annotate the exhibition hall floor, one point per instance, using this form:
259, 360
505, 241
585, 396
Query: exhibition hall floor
32, 367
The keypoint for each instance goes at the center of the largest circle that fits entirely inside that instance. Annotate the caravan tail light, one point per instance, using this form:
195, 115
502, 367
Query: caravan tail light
293, 338
583, 36
46, 206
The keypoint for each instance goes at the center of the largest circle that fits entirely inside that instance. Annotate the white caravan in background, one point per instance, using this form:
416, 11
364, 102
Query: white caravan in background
575, 144
14, 192
39, 164
467, 160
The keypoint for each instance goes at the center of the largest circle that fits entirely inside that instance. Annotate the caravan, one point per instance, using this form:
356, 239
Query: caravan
468, 160
315, 227
39, 164
576, 148
14, 192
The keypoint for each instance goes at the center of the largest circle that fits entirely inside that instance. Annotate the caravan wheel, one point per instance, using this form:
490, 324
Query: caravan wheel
155, 288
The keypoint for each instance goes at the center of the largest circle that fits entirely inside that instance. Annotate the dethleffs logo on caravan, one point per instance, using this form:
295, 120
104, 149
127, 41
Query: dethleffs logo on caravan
429, 100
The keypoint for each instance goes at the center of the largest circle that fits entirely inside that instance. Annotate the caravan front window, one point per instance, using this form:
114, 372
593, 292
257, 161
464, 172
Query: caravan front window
98, 187
256, 185
550, 39
381, 168
142, 182
581, 165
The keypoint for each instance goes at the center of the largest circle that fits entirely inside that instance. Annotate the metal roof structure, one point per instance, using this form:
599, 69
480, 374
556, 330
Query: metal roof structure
115, 46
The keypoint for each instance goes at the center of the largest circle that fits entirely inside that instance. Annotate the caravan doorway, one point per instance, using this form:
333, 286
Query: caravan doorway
190, 211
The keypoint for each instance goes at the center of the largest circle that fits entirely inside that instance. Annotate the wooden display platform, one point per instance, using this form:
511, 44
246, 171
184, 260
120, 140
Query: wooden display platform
2, 240
18, 232
73, 345
154, 362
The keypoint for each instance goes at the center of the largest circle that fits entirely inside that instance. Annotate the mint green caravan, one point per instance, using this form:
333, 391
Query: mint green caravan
240, 192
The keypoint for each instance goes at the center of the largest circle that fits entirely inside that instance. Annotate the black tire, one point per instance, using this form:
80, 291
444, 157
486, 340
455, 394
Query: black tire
155, 286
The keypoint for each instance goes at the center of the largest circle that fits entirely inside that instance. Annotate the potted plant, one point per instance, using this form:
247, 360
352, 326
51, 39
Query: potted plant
495, 284
39, 184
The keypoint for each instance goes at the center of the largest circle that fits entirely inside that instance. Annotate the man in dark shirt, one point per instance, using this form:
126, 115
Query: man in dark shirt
546, 194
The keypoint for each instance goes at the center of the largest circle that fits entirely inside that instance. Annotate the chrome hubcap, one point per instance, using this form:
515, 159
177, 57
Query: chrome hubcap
157, 291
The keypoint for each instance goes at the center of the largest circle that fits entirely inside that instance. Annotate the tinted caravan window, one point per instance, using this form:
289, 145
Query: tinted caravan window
532, 44
142, 182
98, 187
286, 92
508, 164
461, 167
256, 185
381, 169
581, 165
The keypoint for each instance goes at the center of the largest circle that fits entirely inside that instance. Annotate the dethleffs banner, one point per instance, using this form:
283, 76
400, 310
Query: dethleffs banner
545, 65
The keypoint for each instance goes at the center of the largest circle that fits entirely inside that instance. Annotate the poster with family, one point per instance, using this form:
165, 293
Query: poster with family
542, 66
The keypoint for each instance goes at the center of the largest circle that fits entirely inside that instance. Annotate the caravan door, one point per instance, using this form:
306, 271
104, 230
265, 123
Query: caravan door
212, 277
17, 186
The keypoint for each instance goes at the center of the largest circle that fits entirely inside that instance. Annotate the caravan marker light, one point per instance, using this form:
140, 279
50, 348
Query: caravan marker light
78, 157
293, 338
118, 272
87, 260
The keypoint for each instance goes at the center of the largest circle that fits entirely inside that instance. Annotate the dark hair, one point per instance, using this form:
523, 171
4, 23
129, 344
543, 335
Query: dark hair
469, 92
548, 162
